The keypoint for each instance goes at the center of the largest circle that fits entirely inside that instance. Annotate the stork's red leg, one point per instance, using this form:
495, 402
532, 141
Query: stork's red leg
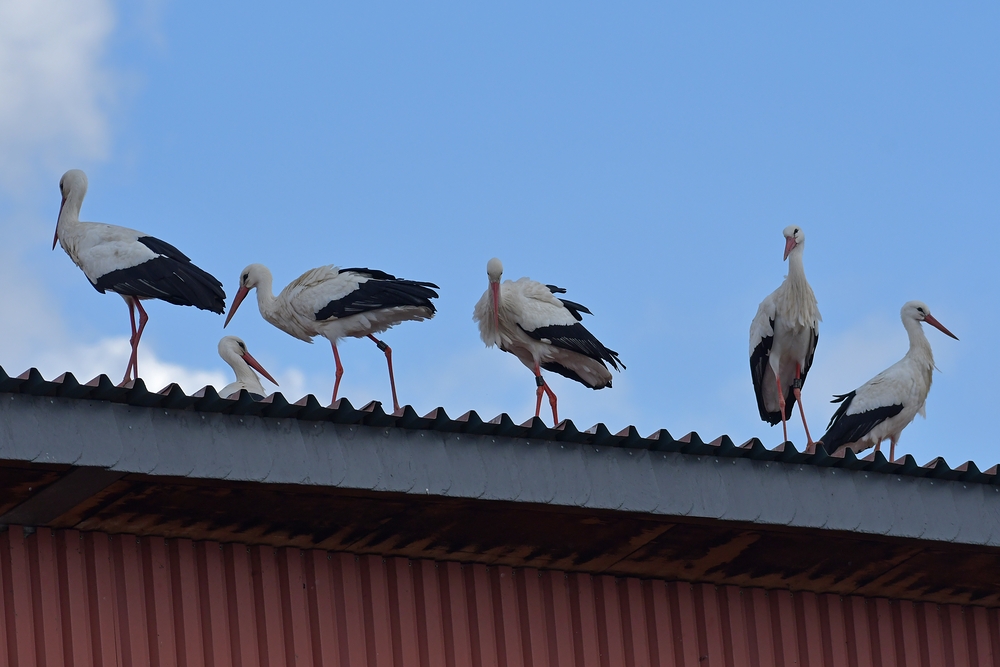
340, 370
796, 388
132, 370
892, 448
552, 402
544, 387
143, 318
781, 404
131, 358
388, 358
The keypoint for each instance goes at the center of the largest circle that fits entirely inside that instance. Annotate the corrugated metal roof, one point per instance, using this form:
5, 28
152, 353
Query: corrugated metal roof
117, 460
75, 598
309, 408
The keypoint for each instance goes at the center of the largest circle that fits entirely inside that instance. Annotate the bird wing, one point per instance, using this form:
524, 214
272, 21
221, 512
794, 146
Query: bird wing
549, 320
761, 338
852, 420
573, 307
148, 268
326, 292
868, 406
812, 353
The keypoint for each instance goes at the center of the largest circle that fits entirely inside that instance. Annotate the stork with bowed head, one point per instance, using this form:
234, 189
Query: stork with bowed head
525, 318
132, 264
882, 407
337, 303
783, 337
234, 352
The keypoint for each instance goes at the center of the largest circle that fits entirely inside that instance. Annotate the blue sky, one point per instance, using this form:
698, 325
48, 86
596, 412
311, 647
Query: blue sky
645, 158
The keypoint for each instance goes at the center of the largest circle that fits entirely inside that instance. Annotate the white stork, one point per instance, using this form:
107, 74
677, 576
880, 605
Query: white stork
524, 317
234, 352
334, 303
882, 407
783, 337
130, 263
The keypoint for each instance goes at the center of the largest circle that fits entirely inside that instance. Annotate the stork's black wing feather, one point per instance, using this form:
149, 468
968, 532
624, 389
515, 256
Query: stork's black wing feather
844, 428
161, 247
377, 293
575, 308
170, 276
759, 362
370, 273
758, 367
572, 306
576, 338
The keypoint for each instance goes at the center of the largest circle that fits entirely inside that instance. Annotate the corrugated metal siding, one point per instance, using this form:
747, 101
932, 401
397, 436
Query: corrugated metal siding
78, 599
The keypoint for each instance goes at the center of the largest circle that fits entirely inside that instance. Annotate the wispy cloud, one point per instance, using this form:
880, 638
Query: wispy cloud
54, 87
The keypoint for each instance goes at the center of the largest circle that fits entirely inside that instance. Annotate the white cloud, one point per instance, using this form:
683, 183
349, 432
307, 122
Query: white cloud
54, 87
110, 355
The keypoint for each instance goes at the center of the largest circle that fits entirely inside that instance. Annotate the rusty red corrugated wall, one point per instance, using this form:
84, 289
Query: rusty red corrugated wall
95, 599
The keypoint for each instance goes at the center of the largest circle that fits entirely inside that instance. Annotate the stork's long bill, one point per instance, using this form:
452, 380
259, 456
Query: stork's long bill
789, 244
937, 325
55, 237
256, 366
237, 300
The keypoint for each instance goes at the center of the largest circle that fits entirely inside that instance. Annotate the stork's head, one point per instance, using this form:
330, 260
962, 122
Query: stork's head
794, 237
232, 348
251, 276
72, 185
494, 269
918, 310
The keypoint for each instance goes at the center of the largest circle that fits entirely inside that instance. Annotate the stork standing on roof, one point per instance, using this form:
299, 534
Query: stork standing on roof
525, 318
234, 352
783, 337
882, 407
337, 303
132, 264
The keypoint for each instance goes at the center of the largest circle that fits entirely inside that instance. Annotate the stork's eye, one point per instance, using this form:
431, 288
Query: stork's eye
245, 276
243, 347
920, 310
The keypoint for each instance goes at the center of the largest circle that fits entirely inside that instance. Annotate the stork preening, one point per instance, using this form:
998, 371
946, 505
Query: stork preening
783, 337
234, 352
132, 264
882, 407
337, 303
525, 318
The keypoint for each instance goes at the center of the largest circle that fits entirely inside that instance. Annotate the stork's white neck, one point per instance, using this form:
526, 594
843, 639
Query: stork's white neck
800, 305
70, 213
246, 376
68, 227
920, 347
265, 293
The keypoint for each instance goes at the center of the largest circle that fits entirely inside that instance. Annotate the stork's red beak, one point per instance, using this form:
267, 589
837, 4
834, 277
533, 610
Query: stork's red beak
495, 288
789, 244
257, 367
237, 300
55, 237
937, 325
